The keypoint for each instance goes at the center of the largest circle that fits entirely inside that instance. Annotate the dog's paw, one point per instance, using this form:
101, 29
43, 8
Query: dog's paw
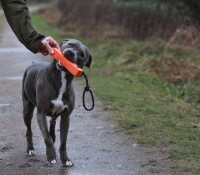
68, 164
52, 162
51, 155
31, 152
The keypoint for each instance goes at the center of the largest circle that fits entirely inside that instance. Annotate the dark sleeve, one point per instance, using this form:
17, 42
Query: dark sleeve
18, 17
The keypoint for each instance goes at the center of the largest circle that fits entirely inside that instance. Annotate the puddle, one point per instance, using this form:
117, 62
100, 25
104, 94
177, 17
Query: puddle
14, 50
12, 78
63, 171
5, 105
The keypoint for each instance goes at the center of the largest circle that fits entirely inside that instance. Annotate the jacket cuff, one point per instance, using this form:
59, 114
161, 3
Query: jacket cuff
37, 44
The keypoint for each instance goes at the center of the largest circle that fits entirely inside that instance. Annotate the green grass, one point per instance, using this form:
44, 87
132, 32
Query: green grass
142, 102
1, 21
146, 105
47, 29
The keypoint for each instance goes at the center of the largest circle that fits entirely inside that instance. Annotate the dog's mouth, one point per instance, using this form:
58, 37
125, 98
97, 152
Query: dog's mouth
60, 67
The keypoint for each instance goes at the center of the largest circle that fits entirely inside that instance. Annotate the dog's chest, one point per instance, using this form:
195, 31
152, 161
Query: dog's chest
58, 105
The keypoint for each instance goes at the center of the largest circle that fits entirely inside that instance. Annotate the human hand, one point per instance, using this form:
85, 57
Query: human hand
47, 44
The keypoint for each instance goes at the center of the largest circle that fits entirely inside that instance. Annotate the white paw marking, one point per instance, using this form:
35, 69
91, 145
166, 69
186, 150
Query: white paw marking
31, 152
58, 103
53, 161
69, 163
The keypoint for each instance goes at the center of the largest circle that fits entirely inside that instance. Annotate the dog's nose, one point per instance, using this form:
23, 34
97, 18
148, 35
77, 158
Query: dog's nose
69, 53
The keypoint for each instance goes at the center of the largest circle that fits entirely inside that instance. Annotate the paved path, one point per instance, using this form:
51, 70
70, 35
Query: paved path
95, 144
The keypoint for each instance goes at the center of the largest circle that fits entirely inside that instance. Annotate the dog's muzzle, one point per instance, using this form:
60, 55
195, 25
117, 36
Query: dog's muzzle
70, 54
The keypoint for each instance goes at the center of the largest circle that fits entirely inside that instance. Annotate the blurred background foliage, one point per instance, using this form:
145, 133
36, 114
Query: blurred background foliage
138, 19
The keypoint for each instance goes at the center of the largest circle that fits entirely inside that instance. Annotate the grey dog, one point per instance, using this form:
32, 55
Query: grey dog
49, 88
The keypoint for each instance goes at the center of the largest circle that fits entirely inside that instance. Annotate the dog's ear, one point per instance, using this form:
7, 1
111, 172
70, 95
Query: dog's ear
89, 61
64, 41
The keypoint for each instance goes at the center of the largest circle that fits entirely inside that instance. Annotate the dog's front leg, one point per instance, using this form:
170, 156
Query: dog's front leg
50, 150
64, 126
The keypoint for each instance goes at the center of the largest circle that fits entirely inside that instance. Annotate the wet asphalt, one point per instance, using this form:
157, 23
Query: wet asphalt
96, 145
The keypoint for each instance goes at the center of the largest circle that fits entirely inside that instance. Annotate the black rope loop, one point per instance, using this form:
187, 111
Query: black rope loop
87, 89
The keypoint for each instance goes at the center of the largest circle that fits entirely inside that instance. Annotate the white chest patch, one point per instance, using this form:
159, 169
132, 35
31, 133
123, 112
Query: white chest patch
58, 103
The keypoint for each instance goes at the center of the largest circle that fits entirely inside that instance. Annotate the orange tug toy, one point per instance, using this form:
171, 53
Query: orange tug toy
71, 67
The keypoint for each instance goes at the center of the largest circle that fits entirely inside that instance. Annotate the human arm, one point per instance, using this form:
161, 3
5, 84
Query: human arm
18, 17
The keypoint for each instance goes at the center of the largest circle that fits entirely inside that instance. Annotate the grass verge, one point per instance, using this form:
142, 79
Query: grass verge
1, 22
141, 100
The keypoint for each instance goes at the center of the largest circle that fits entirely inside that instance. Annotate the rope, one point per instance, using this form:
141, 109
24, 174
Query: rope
87, 89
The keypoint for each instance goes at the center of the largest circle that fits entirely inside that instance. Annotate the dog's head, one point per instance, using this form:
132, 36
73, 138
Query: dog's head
76, 52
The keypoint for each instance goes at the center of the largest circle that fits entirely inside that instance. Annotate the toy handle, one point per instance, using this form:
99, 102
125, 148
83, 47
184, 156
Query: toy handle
71, 67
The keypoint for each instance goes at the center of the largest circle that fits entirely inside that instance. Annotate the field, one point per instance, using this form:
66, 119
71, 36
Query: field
148, 90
